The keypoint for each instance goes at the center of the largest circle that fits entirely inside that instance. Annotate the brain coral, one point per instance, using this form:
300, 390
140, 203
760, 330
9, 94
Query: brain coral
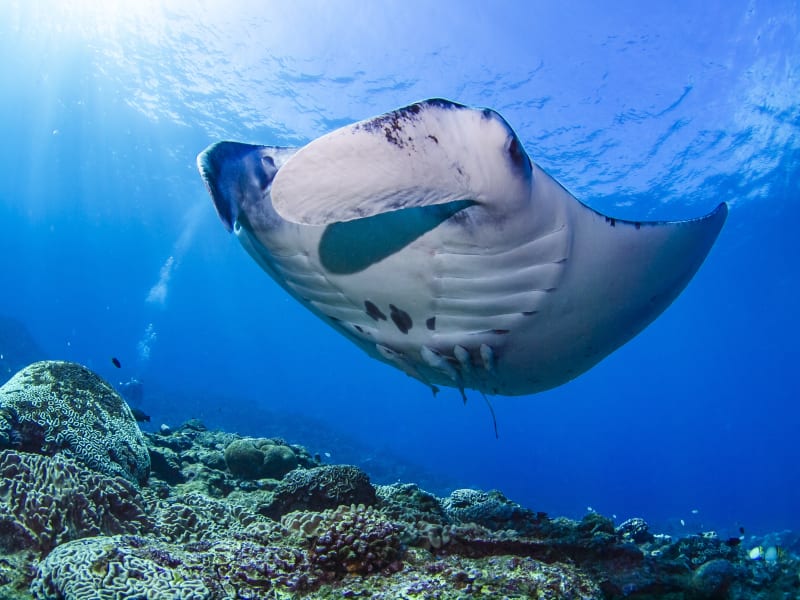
131, 567
107, 568
63, 408
45, 501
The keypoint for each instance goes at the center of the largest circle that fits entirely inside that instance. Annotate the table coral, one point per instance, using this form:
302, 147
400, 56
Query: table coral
53, 407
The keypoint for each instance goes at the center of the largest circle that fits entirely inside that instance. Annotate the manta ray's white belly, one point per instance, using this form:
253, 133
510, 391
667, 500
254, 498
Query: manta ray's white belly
459, 306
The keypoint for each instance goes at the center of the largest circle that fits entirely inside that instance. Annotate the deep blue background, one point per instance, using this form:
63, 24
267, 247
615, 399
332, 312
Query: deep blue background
646, 113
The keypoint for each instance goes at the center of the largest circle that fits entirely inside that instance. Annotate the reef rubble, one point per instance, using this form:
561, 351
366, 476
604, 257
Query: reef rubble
211, 514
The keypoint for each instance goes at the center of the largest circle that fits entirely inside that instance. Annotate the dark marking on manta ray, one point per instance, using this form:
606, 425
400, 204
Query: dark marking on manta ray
434, 138
500, 331
431, 323
358, 328
392, 124
528, 313
612, 222
517, 154
637, 225
373, 311
401, 318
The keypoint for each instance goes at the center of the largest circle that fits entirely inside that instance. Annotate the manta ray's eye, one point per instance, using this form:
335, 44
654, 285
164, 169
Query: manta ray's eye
264, 172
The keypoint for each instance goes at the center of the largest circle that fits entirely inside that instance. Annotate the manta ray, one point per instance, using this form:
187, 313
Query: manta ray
430, 239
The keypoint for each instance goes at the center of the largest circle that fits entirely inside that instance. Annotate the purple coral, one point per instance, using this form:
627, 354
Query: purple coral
356, 539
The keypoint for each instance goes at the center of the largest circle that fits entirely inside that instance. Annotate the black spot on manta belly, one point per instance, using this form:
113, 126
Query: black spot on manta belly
373, 311
431, 323
401, 318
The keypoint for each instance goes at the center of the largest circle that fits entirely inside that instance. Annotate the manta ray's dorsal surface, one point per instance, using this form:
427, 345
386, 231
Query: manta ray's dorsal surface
430, 239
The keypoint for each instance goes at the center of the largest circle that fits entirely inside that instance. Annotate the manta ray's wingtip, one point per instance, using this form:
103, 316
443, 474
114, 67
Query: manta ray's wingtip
721, 211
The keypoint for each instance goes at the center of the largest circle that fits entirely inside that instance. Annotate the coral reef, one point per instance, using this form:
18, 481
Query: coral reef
63, 408
215, 463
490, 509
84, 568
214, 522
349, 539
46, 501
320, 488
250, 458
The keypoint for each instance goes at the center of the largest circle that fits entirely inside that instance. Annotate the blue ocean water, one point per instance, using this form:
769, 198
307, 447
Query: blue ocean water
111, 246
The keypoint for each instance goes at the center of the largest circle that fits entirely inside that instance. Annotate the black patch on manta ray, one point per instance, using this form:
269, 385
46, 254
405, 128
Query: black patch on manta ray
431, 323
401, 318
373, 311
352, 246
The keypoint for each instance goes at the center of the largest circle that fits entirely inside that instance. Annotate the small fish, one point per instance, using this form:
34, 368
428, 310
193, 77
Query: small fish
733, 542
115, 362
741, 530
139, 415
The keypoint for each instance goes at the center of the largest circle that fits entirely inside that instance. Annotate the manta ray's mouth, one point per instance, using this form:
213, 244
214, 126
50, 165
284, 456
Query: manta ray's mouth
221, 166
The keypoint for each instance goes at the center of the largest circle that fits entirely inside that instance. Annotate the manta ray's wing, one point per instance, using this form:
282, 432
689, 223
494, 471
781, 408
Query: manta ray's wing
429, 153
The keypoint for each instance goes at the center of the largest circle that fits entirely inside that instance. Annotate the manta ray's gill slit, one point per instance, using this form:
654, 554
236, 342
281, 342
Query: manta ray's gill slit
482, 307
543, 239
